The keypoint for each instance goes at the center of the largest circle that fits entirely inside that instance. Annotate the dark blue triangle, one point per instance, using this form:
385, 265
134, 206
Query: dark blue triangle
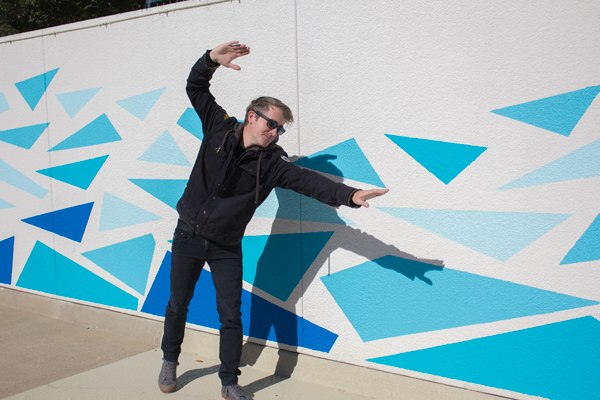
68, 222
7, 247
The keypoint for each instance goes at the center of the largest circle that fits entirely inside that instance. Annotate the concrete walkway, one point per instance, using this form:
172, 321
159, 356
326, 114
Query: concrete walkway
58, 350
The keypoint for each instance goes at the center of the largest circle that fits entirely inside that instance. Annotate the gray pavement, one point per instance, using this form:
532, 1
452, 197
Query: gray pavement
79, 352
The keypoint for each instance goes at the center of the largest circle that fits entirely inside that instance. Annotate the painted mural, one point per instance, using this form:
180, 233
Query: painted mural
393, 297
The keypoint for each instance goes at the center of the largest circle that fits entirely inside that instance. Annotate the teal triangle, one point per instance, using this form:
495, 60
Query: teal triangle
118, 213
5, 204
79, 174
169, 191
3, 103
555, 361
190, 121
15, 178
497, 234
287, 204
68, 222
165, 151
141, 104
73, 102
587, 247
345, 159
25, 136
99, 131
444, 160
579, 164
277, 263
127, 261
377, 306
50, 272
557, 114
33, 89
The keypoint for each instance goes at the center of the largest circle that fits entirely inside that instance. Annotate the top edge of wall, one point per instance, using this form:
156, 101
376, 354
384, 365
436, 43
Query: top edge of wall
111, 19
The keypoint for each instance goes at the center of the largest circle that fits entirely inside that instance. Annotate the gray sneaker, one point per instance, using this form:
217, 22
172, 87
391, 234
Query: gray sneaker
234, 392
167, 380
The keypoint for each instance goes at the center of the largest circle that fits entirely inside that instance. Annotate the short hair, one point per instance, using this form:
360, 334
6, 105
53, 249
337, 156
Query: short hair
263, 105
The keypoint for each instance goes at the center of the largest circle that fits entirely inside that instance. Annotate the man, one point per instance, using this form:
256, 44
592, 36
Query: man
236, 168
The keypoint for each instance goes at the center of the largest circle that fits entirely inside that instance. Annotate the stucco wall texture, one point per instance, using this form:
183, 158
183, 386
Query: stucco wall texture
481, 266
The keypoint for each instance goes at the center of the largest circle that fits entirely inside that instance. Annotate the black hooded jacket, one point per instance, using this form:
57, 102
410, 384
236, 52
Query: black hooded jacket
229, 182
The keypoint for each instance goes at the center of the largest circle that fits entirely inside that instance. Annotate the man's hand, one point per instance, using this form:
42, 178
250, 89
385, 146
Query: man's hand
227, 52
360, 198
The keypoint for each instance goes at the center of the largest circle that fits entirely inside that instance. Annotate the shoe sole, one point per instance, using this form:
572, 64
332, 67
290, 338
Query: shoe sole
168, 388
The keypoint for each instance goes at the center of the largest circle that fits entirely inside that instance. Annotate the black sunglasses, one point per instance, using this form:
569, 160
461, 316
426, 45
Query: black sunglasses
271, 124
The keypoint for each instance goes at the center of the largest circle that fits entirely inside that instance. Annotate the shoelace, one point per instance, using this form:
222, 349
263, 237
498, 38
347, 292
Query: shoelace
169, 370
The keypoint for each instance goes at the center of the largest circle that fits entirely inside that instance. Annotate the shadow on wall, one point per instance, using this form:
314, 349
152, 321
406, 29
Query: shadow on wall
272, 268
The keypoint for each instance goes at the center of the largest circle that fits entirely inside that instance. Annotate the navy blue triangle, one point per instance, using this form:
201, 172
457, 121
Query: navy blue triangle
68, 222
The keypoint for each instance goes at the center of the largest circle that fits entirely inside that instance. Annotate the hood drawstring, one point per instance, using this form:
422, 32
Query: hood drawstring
257, 177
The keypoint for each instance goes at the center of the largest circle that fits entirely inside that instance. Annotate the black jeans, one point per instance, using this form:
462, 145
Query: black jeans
189, 253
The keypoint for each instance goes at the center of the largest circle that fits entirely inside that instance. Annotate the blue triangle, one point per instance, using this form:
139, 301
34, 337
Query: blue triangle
453, 299
556, 361
68, 222
140, 105
444, 160
7, 248
73, 102
128, 261
99, 131
557, 114
346, 160
33, 89
260, 318
5, 204
277, 263
579, 164
79, 174
50, 272
587, 247
3, 103
15, 178
190, 121
117, 213
169, 191
287, 204
165, 151
497, 234
25, 136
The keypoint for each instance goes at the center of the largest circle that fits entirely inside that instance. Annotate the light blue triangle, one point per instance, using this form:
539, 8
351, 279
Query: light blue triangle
444, 160
557, 114
287, 204
557, 361
587, 247
73, 102
579, 164
33, 89
277, 263
384, 302
118, 213
3, 103
99, 131
5, 204
165, 151
169, 191
50, 272
15, 178
25, 136
497, 234
346, 160
140, 105
79, 174
127, 261
190, 121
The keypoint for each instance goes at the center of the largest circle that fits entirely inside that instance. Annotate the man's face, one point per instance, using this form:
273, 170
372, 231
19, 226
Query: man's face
257, 133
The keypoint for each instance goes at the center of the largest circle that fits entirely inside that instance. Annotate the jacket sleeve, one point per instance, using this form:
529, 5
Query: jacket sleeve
312, 184
197, 88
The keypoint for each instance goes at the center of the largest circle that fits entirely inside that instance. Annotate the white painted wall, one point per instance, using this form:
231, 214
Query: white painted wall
349, 70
